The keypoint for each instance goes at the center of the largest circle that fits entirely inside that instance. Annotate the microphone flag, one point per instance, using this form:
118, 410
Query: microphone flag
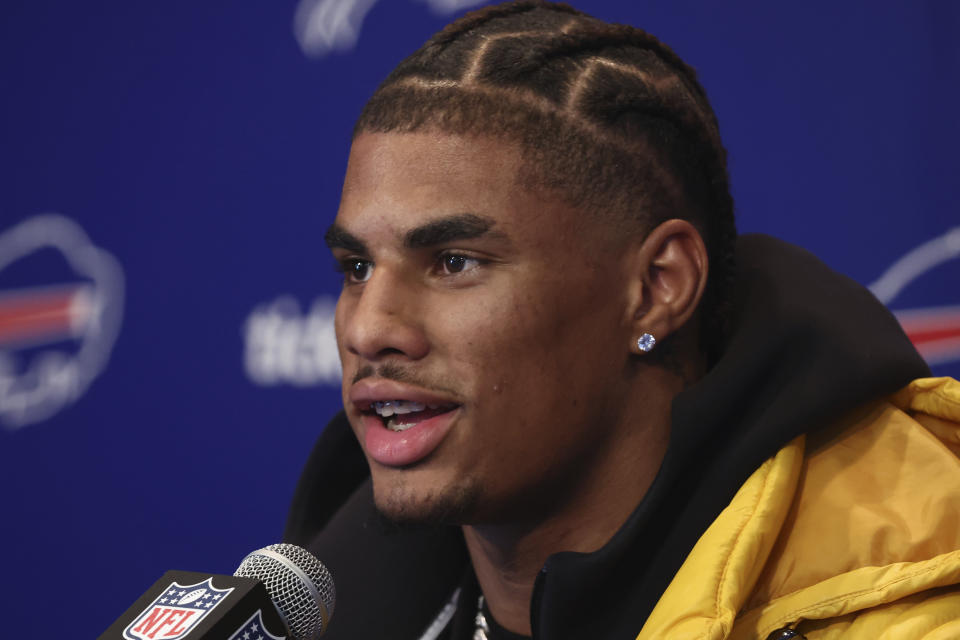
190, 605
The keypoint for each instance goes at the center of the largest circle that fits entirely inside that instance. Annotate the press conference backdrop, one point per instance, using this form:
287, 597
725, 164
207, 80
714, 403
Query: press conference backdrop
169, 168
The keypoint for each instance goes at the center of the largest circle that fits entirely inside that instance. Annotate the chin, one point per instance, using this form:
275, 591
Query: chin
402, 503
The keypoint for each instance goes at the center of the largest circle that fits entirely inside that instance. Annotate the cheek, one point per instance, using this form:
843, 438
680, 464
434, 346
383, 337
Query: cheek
517, 353
544, 316
341, 313
499, 330
341, 316
545, 355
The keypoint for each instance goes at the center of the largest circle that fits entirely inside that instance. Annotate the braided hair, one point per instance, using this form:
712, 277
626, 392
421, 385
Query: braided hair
606, 116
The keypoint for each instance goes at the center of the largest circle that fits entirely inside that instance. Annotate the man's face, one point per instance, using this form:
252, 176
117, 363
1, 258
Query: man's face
488, 315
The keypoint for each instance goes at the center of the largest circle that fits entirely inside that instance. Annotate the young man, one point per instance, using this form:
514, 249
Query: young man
603, 415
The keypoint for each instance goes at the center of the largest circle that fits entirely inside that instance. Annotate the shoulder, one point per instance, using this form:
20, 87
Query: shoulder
873, 527
857, 526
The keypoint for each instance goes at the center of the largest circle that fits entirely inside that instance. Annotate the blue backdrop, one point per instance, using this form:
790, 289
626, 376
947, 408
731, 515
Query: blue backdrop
166, 351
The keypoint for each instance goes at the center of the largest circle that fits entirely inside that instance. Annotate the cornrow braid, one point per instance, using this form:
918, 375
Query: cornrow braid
607, 117
478, 18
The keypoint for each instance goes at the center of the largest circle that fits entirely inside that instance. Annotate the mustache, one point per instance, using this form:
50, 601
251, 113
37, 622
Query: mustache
398, 373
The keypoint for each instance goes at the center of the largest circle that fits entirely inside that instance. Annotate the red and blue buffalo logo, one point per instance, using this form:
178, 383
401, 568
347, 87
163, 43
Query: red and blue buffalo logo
931, 269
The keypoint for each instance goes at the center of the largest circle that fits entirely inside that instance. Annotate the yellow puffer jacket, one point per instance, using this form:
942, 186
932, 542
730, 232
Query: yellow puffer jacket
853, 535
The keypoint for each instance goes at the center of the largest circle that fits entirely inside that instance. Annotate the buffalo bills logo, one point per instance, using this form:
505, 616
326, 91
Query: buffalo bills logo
61, 303
176, 611
933, 329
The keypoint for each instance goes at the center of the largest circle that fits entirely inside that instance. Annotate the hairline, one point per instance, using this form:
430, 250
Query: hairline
632, 221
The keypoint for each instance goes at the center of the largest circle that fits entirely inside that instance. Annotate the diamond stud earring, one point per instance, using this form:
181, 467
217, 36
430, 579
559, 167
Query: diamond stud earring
646, 342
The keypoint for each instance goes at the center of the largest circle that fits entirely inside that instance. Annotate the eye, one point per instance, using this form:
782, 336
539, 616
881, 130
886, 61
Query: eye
355, 270
451, 263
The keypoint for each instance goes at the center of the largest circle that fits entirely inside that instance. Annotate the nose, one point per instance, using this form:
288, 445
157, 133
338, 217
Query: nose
383, 320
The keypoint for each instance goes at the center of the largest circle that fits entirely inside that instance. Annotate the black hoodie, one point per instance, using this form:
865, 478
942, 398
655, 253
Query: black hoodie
806, 345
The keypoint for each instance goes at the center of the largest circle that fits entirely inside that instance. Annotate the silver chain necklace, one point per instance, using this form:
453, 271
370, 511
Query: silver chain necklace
481, 629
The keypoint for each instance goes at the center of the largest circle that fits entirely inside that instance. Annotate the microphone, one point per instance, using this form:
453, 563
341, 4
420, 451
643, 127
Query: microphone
280, 592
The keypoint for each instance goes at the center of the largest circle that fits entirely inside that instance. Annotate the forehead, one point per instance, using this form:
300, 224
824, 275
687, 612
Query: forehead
400, 180
417, 172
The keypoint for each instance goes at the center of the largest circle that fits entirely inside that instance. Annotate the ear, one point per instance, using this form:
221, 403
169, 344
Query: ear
668, 274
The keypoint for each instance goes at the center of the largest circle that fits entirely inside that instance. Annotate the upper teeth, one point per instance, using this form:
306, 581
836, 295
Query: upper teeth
391, 407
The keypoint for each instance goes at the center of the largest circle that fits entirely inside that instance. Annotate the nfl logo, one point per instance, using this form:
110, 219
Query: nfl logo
176, 611
254, 629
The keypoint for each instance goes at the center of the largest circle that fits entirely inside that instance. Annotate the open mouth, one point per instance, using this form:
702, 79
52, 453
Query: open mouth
400, 415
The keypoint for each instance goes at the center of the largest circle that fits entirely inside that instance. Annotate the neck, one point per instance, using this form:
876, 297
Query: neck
507, 557
507, 562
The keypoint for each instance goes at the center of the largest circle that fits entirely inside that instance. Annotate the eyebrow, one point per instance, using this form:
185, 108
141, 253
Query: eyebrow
337, 237
460, 226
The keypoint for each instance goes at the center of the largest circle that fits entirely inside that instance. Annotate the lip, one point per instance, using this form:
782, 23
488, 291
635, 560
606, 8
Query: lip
400, 448
367, 391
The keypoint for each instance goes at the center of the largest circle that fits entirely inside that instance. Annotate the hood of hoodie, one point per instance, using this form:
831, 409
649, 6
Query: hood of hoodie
805, 345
